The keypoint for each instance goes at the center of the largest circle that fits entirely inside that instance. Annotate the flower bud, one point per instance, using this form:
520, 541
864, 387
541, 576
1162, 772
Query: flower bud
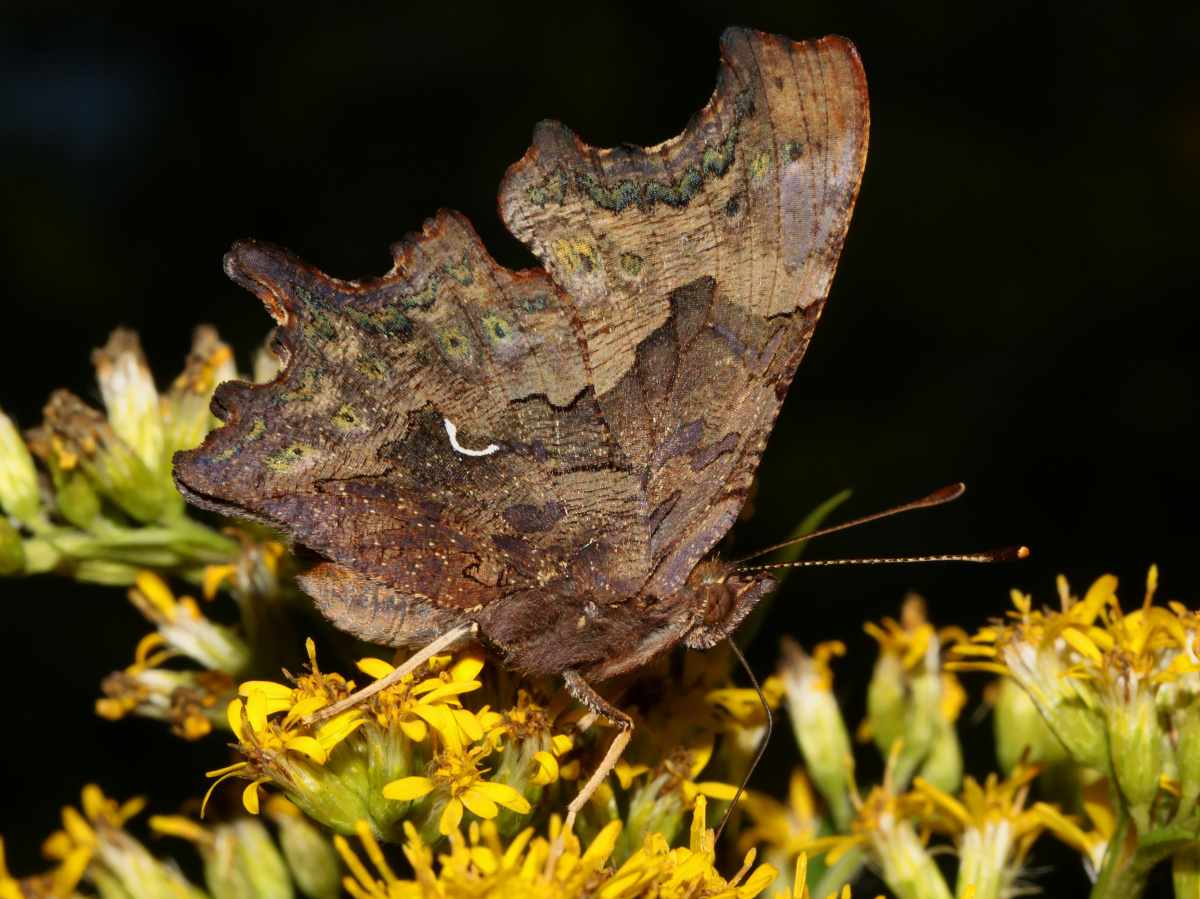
818, 724
18, 479
310, 856
130, 397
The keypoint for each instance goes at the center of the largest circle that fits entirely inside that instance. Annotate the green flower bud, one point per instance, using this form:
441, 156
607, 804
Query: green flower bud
244, 863
313, 861
818, 724
1020, 728
130, 397
80, 436
186, 414
18, 479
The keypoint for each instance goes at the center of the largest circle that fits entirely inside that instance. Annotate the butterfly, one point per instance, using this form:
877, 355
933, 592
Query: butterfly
541, 461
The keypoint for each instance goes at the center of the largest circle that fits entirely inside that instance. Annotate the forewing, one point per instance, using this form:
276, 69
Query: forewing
699, 267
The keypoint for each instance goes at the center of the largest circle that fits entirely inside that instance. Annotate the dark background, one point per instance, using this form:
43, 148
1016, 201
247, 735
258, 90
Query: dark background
1016, 305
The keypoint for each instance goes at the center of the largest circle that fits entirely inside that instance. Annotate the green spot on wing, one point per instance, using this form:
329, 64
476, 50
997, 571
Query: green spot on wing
496, 328
372, 366
345, 417
258, 427
760, 164
632, 263
286, 458
455, 343
620, 196
534, 304
553, 191
715, 161
462, 272
310, 384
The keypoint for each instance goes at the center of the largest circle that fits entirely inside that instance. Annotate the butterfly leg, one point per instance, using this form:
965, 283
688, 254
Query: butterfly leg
592, 700
423, 655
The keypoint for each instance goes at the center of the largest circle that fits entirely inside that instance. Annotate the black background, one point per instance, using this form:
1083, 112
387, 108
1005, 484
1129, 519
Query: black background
1016, 305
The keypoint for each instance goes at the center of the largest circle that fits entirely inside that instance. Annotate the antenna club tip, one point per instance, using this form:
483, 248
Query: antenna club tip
945, 495
1009, 554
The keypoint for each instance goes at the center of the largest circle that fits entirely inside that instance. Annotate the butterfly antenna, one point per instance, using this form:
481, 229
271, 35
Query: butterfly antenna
1005, 554
945, 495
762, 747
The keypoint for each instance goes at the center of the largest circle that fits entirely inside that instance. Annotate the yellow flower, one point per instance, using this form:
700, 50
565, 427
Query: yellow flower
130, 397
459, 782
818, 725
784, 830
789, 826
60, 881
94, 844
185, 407
1092, 844
190, 701
478, 865
884, 831
283, 751
412, 705
185, 629
911, 698
990, 825
1105, 681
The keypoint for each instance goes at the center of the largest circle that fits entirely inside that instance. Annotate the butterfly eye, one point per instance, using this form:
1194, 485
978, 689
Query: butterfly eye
718, 602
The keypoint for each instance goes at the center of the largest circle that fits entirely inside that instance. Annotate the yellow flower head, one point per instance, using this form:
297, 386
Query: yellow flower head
1101, 678
95, 846
477, 864
458, 781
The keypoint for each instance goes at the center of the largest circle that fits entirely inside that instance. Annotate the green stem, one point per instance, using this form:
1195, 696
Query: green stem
1124, 870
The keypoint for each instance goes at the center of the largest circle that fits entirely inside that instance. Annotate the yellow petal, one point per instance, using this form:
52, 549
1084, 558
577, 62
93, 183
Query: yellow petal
256, 710
602, 845
764, 875
504, 795
155, 589
407, 788
414, 729
339, 727
214, 576
480, 804
717, 790
702, 750
307, 746
468, 665
250, 796
376, 668
306, 707
1083, 644
451, 817
547, 769
441, 691
468, 724
234, 714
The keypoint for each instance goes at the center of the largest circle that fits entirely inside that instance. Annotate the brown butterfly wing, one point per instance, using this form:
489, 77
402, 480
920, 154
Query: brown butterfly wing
711, 254
348, 450
627, 400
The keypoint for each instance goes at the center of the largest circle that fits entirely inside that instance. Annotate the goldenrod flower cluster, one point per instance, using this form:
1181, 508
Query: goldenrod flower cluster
452, 781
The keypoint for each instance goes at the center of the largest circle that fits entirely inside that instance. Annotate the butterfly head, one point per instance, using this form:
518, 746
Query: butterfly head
721, 598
